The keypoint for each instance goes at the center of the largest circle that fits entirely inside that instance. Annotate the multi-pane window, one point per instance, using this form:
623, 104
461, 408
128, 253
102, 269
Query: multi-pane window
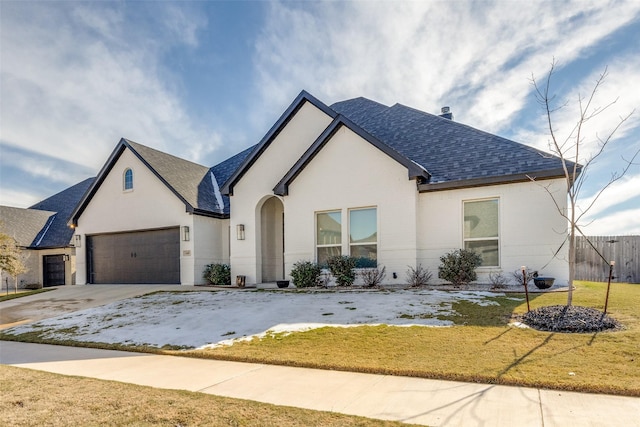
128, 180
363, 236
328, 235
481, 230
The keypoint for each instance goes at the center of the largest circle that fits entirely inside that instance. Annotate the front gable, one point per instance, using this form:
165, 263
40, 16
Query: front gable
191, 184
414, 170
305, 118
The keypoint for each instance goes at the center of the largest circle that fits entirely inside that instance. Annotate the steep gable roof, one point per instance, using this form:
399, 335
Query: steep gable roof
26, 226
190, 182
264, 143
63, 203
415, 171
456, 155
224, 170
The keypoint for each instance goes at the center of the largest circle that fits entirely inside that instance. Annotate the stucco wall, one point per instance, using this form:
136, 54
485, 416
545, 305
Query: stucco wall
256, 186
530, 228
149, 205
350, 173
33, 261
210, 242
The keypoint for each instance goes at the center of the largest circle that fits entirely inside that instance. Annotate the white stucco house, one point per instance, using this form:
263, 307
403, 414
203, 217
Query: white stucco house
392, 185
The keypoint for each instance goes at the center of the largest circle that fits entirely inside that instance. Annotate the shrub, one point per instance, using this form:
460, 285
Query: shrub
218, 274
342, 268
517, 275
372, 276
459, 266
33, 286
498, 280
305, 274
418, 276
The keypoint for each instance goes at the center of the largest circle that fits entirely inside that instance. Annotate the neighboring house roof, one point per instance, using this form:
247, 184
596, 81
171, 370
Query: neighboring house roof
26, 226
63, 203
44, 225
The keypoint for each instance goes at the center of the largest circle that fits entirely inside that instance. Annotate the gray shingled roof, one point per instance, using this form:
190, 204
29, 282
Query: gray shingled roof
189, 180
223, 171
25, 225
448, 150
59, 234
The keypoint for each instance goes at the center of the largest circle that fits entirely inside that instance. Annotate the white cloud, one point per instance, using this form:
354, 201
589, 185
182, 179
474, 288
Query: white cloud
476, 57
76, 78
621, 223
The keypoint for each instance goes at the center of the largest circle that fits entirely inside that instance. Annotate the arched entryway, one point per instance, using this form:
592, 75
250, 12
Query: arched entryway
272, 240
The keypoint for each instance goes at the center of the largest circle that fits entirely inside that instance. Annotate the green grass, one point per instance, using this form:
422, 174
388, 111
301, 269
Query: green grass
20, 294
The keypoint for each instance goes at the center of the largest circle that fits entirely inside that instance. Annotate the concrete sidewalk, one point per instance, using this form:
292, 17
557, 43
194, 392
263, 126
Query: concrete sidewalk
411, 400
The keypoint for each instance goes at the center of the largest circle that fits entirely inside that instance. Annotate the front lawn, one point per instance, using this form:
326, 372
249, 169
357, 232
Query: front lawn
481, 348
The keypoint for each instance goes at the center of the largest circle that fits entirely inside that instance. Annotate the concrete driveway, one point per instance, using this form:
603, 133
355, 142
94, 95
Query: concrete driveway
67, 299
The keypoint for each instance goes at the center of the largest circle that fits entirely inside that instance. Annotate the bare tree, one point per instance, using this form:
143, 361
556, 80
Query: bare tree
574, 163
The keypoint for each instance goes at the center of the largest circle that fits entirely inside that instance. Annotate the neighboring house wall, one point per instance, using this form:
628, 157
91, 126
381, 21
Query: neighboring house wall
256, 187
346, 174
149, 205
34, 262
530, 228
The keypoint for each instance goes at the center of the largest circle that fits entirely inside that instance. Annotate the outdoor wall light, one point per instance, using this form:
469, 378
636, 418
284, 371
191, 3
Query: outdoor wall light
78, 241
66, 257
240, 231
185, 233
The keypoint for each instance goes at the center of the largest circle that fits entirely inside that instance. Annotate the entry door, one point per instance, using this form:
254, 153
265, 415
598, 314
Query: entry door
53, 270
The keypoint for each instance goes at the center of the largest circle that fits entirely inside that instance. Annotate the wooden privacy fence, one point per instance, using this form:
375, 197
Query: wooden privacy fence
624, 250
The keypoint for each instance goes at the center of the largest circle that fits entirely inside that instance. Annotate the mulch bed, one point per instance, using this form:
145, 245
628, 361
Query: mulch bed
562, 318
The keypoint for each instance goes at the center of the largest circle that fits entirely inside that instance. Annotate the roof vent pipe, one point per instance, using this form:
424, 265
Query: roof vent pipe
446, 113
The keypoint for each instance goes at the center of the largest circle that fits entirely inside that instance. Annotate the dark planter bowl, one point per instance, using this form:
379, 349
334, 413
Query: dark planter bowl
543, 282
282, 283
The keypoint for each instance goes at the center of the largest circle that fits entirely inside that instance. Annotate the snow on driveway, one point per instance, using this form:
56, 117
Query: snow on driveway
210, 318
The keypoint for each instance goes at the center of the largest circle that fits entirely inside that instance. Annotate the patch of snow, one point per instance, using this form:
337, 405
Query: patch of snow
212, 318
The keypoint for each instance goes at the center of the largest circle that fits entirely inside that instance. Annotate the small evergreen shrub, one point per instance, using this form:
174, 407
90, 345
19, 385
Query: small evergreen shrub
305, 274
342, 267
459, 266
418, 276
372, 276
218, 274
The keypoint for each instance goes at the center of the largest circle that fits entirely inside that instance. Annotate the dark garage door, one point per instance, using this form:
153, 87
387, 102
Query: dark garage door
151, 256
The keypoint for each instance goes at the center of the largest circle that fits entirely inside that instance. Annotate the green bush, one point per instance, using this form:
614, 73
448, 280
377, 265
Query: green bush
218, 274
305, 274
342, 268
459, 266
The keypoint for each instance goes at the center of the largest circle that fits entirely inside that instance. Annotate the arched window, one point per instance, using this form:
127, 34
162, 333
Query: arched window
128, 179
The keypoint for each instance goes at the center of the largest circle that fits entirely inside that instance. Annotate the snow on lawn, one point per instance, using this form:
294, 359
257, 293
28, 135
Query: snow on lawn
206, 319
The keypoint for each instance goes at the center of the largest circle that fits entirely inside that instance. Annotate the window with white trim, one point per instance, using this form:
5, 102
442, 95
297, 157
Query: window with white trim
363, 236
127, 180
481, 230
328, 235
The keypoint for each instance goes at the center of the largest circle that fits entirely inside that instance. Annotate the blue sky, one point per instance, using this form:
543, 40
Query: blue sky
203, 80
